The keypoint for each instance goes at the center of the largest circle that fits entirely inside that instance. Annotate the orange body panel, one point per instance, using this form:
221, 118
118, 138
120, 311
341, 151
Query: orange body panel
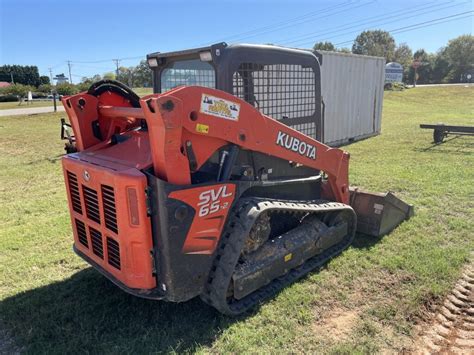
133, 235
212, 204
176, 122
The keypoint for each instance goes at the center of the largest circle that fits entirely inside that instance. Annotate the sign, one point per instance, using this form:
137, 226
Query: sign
393, 72
218, 107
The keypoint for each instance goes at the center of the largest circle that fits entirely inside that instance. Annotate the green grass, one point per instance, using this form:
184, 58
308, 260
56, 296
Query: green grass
13, 105
143, 91
366, 300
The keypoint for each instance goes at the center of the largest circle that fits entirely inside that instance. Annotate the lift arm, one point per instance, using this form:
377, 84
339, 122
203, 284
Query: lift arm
188, 124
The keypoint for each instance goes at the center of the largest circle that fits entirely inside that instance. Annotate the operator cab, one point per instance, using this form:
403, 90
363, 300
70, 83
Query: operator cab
282, 83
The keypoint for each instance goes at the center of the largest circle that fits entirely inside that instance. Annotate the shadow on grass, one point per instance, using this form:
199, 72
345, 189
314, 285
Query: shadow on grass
363, 241
87, 314
462, 143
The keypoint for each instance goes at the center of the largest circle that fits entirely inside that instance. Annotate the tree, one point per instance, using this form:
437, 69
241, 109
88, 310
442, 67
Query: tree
460, 56
125, 75
22, 74
424, 71
142, 75
403, 55
441, 67
377, 43
66, 89
44, 79
18, 90
324, 46
45, 88
109, 76
344, 50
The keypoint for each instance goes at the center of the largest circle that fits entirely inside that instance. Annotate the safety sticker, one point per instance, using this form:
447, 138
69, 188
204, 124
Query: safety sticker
378, 208
202, 128
218, 107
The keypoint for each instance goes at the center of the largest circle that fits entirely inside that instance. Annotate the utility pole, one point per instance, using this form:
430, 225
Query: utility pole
69, 66
11, 77
117, 62
51, 75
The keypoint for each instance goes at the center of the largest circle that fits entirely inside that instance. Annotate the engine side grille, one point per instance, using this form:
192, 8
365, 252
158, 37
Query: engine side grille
97, 245
92, 204
74, 192
81, 233
113, 252
108, 202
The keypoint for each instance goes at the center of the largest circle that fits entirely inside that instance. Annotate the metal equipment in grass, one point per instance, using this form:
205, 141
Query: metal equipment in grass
440, 131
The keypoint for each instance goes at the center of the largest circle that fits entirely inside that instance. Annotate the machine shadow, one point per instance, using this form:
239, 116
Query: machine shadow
87, 313
364, 241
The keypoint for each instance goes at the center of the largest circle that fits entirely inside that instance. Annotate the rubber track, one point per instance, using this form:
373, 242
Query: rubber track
241, 220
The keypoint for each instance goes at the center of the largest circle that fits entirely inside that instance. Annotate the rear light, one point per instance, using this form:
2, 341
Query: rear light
133, 206
205, 56
152, 62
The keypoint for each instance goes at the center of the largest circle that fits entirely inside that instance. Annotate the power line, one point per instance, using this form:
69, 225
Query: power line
106, 60
422, 24
259, 29
305, 21
94, 67
414, 11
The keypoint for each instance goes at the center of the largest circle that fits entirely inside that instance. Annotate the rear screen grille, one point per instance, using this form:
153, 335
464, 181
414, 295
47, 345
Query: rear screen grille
74, 192
113, 252
81, 233
110, 214
92, 204
96, 239
281, 91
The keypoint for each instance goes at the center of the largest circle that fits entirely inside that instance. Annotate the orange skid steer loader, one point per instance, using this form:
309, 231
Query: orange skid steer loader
218, 184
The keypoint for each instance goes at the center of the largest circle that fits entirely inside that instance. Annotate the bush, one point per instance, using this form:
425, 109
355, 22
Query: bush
45, 88
84, 86
8, 98
395, 86
66, 89
18, 90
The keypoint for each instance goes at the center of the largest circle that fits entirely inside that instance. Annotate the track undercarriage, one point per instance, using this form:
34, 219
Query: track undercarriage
268, 244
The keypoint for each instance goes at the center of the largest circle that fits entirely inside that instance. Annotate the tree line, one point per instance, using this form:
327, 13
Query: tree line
450, 64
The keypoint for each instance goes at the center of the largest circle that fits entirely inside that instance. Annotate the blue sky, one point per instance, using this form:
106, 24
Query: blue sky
47, 33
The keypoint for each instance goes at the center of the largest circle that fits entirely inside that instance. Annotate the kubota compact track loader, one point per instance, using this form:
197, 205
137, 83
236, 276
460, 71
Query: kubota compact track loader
218, 184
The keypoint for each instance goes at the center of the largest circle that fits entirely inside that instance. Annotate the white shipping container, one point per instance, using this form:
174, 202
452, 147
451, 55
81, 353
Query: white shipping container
352, 91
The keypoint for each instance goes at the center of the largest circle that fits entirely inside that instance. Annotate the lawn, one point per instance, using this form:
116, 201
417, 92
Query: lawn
13, 105
368, 299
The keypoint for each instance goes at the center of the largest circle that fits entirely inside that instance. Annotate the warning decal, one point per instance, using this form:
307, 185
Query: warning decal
218, 107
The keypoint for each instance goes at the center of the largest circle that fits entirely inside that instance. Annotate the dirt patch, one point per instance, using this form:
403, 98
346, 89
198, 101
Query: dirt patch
451, 329
338, 325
